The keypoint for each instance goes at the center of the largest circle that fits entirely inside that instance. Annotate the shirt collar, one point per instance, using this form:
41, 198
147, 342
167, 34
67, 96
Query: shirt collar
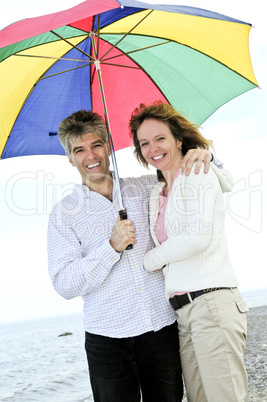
83, 191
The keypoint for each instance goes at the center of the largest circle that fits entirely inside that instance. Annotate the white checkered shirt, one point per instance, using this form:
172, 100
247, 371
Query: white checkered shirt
121, 299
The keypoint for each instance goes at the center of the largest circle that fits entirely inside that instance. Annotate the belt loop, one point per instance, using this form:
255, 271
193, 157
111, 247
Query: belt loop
189, 297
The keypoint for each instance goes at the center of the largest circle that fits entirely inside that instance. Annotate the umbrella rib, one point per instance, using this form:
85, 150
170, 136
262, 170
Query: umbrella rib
124, 36
98, 30
51, 57
73, 46
65, 71
121, 65
180, 43
137, 50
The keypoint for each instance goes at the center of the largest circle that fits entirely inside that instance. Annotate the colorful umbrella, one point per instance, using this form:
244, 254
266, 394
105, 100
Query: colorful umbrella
195, 59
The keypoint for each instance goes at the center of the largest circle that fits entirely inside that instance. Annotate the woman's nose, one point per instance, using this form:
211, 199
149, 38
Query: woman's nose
153, 147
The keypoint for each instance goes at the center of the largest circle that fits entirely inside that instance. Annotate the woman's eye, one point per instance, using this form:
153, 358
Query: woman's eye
161, 138
143, 144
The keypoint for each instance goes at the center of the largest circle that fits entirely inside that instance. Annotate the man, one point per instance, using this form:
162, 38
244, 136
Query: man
131, 330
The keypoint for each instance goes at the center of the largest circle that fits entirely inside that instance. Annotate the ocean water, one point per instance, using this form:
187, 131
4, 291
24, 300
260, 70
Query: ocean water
255, 298
38, 365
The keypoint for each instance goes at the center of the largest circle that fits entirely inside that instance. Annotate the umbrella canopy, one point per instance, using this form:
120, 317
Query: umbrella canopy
194, 59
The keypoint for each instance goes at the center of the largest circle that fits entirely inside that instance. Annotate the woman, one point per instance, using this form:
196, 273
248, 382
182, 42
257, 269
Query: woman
187, 225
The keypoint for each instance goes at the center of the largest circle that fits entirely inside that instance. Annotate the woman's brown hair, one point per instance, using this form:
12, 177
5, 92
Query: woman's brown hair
181, 128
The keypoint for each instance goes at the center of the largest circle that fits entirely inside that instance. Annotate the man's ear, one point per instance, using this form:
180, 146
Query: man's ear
109, 151
70, 160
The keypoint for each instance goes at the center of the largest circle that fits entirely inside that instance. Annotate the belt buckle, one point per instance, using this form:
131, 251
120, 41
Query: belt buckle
179, 301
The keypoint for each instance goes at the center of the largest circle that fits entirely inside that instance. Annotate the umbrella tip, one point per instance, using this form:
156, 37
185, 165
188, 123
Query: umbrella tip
122, 6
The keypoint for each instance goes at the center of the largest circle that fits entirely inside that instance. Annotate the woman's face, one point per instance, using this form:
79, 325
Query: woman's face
158, 146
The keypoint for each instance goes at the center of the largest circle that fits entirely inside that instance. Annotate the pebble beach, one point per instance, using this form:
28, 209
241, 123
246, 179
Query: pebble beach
256, 354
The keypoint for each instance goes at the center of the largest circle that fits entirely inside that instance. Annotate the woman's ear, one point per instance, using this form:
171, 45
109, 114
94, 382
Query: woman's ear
179, 144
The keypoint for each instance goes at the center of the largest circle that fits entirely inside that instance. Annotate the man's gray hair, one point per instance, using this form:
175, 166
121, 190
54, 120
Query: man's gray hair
79, 124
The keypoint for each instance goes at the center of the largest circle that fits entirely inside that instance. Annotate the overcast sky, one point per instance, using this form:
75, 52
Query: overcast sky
29, 186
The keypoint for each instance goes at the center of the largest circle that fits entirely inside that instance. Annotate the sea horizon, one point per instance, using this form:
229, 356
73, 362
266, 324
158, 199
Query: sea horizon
254, 298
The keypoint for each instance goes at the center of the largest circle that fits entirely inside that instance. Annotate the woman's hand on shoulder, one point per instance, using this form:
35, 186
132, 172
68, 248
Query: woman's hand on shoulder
199, 156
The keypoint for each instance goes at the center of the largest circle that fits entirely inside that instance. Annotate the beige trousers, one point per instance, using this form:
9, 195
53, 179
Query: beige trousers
212, 332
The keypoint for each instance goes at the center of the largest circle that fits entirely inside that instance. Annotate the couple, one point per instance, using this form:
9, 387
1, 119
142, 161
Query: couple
131, 336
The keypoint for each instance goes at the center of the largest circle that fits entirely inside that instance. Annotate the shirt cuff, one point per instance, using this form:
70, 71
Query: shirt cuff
216, 162
110, 256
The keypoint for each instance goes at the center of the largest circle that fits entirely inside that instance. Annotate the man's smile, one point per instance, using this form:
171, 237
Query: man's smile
93, 165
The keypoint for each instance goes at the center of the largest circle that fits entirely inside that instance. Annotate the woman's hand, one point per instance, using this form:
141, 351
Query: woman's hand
198, 155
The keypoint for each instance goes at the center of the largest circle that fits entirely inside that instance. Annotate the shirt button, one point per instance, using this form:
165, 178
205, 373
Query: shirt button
135, 266
140, 288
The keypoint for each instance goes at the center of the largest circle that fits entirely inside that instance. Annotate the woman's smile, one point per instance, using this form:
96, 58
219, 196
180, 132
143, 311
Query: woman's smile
158, 157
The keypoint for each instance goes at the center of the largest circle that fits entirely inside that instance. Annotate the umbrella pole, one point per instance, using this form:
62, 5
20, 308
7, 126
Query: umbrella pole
122, 211
114, 162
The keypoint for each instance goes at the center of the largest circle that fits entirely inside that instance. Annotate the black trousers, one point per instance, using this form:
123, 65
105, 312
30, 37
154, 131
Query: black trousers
120, 367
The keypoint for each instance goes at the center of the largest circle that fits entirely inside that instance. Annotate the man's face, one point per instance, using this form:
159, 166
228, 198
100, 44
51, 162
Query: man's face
90, 155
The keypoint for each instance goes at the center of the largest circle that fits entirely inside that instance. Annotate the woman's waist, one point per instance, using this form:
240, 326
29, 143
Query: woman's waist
182, 277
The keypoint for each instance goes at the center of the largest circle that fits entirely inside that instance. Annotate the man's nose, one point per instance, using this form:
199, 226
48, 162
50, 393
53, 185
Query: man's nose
90, 153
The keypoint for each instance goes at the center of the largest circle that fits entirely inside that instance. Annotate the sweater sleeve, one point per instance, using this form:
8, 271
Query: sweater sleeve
194, 201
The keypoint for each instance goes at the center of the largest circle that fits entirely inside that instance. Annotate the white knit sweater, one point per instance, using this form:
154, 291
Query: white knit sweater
195, 253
